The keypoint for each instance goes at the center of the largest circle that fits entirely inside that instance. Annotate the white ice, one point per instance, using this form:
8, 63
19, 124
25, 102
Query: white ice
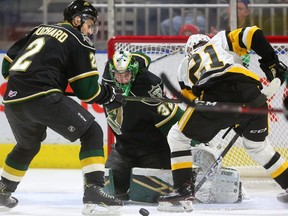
50, 192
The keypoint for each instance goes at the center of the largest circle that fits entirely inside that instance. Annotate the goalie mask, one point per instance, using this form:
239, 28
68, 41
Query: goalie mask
194, 41
123, 70
84, 10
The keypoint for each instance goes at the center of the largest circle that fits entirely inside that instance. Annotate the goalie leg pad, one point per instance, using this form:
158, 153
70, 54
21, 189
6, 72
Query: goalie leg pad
109, 182
223, 187
148, 184
204, 156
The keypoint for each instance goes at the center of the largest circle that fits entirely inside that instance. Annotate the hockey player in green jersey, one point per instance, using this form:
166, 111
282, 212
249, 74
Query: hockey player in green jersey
39, 68
140, 128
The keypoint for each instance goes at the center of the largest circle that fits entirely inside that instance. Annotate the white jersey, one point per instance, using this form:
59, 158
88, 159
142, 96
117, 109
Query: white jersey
221, 55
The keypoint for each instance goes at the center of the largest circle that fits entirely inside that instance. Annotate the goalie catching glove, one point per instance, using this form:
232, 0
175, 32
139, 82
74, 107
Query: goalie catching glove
273, 69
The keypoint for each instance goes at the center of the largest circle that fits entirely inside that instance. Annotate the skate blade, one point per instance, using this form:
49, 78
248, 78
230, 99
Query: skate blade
180, 206
283, 198
96, 209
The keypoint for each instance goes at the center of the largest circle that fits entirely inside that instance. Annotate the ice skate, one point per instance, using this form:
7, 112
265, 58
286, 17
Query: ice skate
179, 201
283, 197
96, 202
6, 200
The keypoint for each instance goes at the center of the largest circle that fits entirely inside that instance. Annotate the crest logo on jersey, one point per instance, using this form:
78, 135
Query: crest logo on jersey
115, 119
156, 91
12, 94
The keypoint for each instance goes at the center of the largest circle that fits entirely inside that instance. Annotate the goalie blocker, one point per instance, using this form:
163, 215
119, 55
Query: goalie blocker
146, 185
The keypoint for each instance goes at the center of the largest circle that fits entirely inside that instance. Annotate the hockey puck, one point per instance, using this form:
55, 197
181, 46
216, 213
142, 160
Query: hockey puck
144, 212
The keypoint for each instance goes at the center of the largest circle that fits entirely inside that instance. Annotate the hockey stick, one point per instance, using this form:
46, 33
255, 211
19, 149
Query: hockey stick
208, 106
168, 54
151, 99
140, 99
214, 165
213, 106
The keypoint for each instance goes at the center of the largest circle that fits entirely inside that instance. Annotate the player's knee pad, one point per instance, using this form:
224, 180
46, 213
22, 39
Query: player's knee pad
177, 140
25, 155
181, 158
93, 137
261, 152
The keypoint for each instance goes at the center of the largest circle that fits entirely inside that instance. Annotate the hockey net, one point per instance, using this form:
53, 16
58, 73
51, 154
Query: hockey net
166, 53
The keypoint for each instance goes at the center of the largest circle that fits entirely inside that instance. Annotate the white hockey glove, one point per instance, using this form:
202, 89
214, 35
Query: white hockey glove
272, 88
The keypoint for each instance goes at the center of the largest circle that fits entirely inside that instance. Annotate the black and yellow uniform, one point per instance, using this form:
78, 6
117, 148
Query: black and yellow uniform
218, 75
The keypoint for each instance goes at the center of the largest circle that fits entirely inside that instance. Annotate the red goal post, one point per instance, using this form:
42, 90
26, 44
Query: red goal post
171, 47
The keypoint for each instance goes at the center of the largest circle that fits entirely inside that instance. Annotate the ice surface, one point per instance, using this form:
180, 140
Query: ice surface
50, 192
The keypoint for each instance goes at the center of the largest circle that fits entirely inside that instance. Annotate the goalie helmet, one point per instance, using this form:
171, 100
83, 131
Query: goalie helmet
194, 41
123, 70
80, 8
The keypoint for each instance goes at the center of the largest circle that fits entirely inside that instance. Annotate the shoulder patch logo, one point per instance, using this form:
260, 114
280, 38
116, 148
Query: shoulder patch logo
156, 91
12, 94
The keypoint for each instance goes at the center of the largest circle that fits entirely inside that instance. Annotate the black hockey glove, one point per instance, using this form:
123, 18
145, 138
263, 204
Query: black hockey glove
285, 102
273, 69
116, 100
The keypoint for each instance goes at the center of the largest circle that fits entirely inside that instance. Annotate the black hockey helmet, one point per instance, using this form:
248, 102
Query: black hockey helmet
80, 8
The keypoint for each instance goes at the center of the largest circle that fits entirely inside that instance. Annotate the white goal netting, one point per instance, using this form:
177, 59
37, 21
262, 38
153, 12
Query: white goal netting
170, 47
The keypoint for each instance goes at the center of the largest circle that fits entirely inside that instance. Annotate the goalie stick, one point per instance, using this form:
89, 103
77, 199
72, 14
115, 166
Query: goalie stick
140, 98
168, 54
217, 162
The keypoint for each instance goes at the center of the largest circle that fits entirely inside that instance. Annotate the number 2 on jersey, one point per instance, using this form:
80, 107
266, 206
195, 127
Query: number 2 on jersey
22, 62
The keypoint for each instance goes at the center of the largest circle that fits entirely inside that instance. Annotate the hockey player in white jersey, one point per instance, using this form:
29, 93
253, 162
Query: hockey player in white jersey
215, 73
